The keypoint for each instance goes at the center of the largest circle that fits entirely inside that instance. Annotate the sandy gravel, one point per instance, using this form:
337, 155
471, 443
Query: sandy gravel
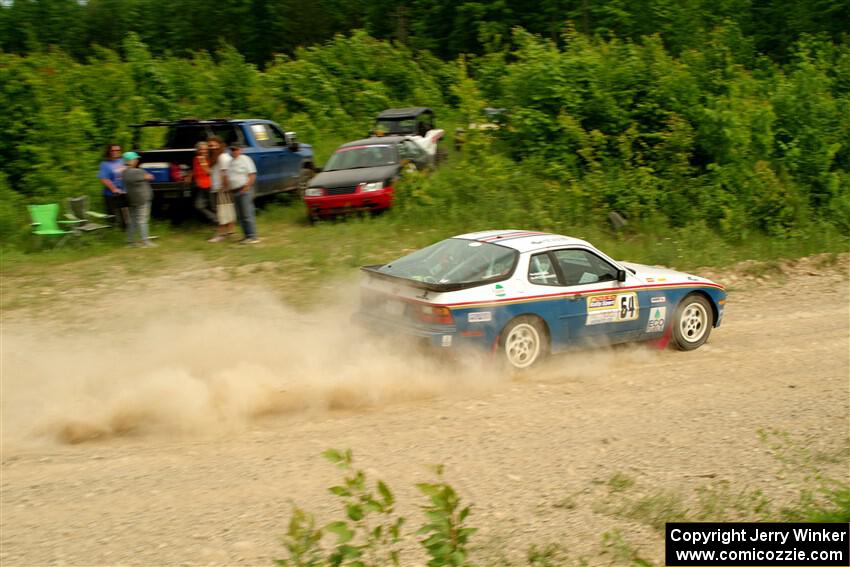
167, 439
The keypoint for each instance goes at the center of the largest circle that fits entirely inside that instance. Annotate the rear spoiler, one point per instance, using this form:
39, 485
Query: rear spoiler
372, 271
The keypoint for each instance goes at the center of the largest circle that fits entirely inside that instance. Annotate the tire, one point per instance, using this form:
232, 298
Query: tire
524, 342
692, 323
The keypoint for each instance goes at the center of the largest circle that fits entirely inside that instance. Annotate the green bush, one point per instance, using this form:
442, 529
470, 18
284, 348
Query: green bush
717, 137
371, 533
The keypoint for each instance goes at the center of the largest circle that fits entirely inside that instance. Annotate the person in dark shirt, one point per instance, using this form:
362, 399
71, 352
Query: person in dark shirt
139, 197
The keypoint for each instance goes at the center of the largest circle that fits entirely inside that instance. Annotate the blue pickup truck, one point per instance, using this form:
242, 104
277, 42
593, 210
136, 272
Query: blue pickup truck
283, 164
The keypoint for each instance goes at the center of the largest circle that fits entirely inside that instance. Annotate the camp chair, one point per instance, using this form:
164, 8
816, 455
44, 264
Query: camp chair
79, 212
45, 223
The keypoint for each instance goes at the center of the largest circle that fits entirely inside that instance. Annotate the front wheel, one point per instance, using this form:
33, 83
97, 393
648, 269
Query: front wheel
524, 342
692, 323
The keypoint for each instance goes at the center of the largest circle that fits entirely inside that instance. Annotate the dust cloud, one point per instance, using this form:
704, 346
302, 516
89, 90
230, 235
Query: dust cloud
184, 362
178, 364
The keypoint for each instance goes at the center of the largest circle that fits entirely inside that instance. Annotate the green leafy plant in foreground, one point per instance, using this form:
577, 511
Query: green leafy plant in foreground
371, 533
448, 537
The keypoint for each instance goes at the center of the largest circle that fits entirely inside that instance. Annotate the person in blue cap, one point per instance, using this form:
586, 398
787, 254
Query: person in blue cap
139, 196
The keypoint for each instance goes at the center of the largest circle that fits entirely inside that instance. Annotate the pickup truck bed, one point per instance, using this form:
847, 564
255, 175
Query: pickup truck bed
282, 163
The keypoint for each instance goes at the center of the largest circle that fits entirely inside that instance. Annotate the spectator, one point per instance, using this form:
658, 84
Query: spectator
204, 203
114, 200
139, 197
225, 210
241, 176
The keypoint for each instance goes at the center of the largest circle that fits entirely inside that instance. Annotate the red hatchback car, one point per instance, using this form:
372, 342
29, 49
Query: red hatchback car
361, 176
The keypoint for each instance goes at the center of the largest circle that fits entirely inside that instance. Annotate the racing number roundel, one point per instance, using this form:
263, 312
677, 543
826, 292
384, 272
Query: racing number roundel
612, 308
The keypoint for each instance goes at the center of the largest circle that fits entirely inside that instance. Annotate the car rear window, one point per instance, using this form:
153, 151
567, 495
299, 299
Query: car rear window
455, 261
186, 136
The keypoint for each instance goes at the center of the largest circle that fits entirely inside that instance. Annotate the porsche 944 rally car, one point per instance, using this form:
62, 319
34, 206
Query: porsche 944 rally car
525, 294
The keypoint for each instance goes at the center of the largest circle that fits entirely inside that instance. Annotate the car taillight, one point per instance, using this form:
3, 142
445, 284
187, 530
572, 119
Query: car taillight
435, 314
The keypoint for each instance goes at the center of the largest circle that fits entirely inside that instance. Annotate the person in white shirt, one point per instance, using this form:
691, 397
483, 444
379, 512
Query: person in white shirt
225, 209
241, 175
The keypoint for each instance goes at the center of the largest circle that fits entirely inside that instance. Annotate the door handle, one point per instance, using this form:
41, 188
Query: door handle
576, 297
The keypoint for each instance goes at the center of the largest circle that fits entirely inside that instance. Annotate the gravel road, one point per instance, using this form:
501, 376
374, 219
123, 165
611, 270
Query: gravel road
167, 441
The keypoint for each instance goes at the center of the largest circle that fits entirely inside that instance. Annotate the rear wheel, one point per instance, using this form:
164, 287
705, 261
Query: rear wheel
524, 342
692, 323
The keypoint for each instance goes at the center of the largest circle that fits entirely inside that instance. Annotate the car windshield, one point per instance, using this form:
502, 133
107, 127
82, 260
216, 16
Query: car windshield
403, 126
362, 156
455, 261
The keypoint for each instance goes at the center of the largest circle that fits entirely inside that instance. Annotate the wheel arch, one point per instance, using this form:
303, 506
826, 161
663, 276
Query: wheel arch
715, 312
529, 315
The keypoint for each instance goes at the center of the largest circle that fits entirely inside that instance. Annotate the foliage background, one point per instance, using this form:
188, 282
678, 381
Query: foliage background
727, 119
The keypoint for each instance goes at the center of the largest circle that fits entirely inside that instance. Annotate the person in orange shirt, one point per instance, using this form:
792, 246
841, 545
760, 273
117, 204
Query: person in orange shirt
204, 201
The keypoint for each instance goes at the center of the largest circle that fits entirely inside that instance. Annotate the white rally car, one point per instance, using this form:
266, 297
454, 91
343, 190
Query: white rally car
524, 294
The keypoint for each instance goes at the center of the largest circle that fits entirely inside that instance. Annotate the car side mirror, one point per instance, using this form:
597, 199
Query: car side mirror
291, 141
621, 275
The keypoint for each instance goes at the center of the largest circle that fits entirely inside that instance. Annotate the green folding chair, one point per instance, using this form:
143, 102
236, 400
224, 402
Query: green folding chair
46, 223
78, 211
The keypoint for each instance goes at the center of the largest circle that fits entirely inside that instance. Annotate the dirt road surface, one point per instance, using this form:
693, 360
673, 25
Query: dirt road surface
182, 431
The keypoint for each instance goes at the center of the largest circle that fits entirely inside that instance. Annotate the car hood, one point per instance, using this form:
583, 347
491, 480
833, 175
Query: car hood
657, 274
345, 177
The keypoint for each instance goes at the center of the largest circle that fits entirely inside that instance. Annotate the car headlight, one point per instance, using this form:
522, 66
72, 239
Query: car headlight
314, 192
374, 186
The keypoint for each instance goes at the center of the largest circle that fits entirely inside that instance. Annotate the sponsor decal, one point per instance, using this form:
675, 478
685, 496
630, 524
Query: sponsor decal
657, 318
480, 317
658, 299
650, 279
661, 279
597, 302
499, 290
447, 340
552, 239
600, 317
612, 308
